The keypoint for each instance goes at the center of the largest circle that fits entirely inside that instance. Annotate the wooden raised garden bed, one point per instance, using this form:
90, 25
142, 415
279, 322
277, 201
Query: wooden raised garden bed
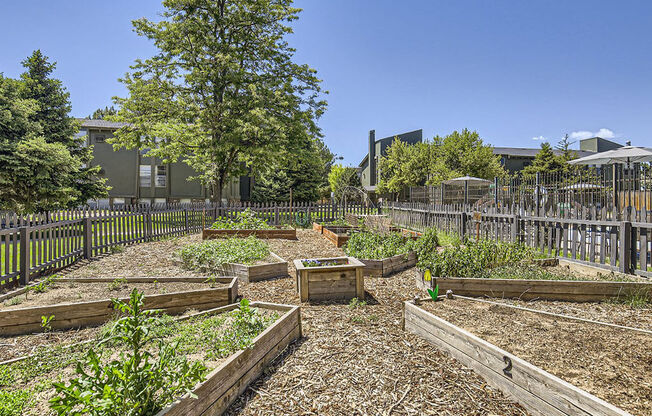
280, 233
257, 272
525, 289
539, 391
224, 384
337, 235
389, 265
80, 314
318, 227
343, 279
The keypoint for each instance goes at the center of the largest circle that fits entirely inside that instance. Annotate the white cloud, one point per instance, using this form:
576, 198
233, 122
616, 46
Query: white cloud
540, 138
585, 134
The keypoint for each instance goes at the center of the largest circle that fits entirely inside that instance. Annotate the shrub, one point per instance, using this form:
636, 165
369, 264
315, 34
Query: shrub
211, 255
427, 243
367, 245
474, 258
245, 220
138, 382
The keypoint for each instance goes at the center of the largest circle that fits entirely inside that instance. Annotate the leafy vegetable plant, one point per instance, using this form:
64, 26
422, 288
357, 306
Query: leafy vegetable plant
319, 263
368, 245
474, 258
245, 220
211, 255
138, 382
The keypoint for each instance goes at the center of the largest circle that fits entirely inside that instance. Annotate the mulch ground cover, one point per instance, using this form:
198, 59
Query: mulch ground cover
351, 360
613, 364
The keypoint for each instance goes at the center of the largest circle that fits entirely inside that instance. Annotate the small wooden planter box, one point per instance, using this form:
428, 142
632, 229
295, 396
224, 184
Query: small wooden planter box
344, 280
81, 314
567, 290
224, 384
258, 272
337, 235
281, 233
540, 392
389, 265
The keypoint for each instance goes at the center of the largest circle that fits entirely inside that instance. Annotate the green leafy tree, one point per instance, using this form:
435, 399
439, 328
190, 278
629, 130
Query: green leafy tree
57, 126
102, 113
546, 161
223, 92
35, 175
463, 153
341, 177
402, 166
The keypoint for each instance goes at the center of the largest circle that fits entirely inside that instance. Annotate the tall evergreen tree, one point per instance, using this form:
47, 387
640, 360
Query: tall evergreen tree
57, 126
35, 175
545, 161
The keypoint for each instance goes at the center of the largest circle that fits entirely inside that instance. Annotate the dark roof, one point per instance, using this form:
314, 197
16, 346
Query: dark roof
100, 124
531, 152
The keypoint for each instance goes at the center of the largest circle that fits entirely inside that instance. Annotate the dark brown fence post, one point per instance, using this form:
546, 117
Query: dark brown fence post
625, 247
87, 230
185, 219
24, 255
463, 220
148, 221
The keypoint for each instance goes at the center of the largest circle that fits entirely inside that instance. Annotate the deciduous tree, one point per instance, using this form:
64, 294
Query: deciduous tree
223, 92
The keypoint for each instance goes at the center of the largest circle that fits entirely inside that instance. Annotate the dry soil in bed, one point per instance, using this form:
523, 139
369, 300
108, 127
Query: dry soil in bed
613, 364
613, 313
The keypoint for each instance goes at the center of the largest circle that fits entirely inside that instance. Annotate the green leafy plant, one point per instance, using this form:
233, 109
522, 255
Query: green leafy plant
319, 263
44, 285
117, 284
245, 220
46, 323
117, 249
211, 255
356, 303
473, 259
368, 245
247, 324
138, 382
427, 243
13, 402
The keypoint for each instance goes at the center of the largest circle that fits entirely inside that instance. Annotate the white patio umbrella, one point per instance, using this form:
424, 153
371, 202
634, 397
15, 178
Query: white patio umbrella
625, 154
466, 180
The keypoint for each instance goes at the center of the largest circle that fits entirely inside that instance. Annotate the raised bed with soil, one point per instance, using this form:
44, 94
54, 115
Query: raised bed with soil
225, 380
339, 278
526, 289
281, 233
270, 268
80, 302
551, 365
390, 265
337, 235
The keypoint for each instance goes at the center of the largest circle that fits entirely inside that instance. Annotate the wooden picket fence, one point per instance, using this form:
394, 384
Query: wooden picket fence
623, 246
39, 244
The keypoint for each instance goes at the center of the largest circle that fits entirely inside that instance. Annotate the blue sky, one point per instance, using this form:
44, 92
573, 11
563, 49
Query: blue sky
512, 70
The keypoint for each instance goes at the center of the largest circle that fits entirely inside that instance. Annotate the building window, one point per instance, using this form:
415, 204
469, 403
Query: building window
100, 139
145, 176
161, 177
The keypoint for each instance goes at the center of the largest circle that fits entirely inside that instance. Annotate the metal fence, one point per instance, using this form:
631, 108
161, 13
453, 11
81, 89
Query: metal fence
613, 193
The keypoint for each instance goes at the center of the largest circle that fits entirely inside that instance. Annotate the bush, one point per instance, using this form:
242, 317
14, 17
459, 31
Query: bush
136, 383
211, 255
367, 245
427, 243
474, 258
245, 220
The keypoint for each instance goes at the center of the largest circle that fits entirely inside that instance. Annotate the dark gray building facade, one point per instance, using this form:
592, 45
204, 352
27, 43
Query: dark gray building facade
135, 178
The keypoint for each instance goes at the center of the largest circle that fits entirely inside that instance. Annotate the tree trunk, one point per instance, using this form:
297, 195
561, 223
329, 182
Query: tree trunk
217, 192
